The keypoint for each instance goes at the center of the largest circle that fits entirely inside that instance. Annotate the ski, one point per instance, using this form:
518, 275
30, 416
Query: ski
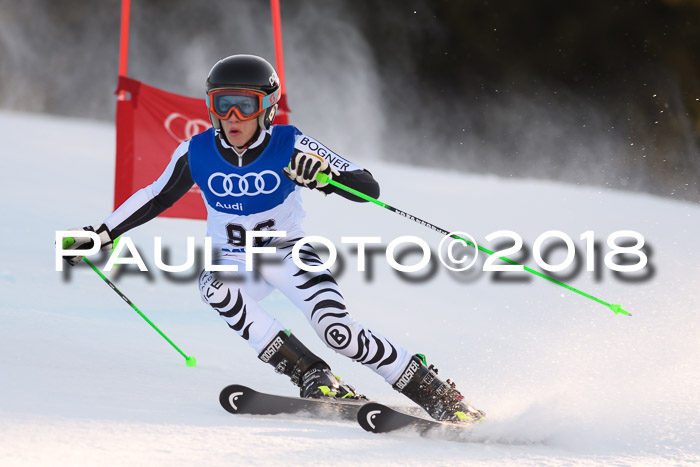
238, 399
378, 418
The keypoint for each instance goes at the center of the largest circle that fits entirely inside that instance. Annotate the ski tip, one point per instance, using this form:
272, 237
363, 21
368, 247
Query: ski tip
232, 397
367, 414
190, 361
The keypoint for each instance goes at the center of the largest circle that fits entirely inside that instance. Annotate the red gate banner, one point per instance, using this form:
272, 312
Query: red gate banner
151, 123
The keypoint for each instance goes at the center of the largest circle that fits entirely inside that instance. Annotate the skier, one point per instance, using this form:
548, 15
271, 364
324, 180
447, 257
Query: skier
251, 174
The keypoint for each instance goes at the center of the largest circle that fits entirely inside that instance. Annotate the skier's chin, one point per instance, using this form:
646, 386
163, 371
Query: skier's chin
234, 137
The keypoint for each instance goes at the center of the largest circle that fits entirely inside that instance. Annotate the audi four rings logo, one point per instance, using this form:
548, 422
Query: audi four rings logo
182, 128
250, 184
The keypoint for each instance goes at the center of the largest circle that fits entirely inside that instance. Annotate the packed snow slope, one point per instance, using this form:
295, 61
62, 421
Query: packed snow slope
85, 381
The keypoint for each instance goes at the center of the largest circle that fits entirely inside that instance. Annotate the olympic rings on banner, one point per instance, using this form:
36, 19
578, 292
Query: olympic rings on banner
186, 129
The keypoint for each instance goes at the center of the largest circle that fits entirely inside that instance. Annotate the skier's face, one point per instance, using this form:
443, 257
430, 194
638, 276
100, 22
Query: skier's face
238, 132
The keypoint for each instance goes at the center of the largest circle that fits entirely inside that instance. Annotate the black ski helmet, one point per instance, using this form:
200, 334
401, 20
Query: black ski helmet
245, 72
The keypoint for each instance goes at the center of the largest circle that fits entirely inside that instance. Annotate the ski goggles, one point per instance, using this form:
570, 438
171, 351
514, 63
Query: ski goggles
245, 103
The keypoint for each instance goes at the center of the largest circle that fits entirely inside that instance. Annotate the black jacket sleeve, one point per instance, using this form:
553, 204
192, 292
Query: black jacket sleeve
179, 181
360, 180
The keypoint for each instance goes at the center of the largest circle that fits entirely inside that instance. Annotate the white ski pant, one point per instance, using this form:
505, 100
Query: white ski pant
235, 296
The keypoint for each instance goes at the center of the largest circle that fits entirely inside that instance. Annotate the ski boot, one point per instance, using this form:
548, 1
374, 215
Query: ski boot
313, 376
440, 399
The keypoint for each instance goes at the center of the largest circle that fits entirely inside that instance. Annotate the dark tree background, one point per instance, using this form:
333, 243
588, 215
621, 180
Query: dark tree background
596, 92
625, 67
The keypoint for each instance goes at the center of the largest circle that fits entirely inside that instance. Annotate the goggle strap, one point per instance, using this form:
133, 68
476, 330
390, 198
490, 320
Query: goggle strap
271, 99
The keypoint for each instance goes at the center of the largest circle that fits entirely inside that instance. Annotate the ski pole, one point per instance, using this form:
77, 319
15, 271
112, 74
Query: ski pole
189, 360
323, 178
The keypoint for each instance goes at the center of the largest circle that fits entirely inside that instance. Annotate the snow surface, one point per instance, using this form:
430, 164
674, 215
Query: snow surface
85, 381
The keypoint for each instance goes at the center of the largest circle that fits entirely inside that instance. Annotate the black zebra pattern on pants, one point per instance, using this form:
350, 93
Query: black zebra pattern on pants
235, 297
